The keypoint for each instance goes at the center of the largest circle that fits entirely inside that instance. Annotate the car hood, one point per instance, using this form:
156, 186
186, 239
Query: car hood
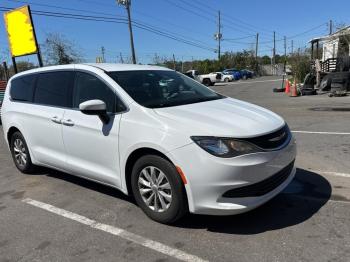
223, 117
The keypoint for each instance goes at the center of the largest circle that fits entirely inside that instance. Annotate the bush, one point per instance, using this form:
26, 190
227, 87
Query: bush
300, 64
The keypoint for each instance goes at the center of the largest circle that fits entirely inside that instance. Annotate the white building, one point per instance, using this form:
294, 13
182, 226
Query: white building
328, 49
333, 46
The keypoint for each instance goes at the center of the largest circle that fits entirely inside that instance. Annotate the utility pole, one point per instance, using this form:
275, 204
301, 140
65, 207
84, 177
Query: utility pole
256, 45
6, 71
218, 36
256, 53
174, 62
103, 54
127, 4
182, 64
285, 59
330, 27
121, 58
274, 51
292, 43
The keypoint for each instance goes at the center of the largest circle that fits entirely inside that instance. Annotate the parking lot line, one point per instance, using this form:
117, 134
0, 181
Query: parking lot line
321, 133
154, 245
333, 174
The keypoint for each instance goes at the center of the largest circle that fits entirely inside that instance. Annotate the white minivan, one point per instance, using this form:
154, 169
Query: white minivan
172, 143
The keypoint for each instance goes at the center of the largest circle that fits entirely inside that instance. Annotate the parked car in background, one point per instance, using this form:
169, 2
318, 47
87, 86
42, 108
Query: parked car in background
246, 74
234, 72
207, 79
226, 77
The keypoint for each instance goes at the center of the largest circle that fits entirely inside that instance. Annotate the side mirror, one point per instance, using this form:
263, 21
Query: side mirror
95, 107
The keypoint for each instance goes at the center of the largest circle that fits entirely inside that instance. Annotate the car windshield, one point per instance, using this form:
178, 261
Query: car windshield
161, 88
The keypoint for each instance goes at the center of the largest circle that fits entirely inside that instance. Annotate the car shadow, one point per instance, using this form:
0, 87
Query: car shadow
304, 196
82, 182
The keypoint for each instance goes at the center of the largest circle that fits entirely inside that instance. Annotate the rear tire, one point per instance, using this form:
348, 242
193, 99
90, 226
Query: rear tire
20, 153
206, 82
158, 189
226, 80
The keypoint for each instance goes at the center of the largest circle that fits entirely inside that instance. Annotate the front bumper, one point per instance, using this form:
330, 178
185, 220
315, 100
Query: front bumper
209, 177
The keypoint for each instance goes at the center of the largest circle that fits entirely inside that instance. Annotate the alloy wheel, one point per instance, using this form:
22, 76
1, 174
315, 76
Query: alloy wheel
155, 189
20, 153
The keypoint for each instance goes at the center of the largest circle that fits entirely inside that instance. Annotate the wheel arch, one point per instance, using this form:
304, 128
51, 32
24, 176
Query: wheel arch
16, 128
133, 157
10, 132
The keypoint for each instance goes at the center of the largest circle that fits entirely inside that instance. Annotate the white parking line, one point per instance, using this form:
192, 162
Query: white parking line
332, 174
154, 245
321, 133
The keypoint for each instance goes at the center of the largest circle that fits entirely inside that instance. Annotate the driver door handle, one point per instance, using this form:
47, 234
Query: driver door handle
68, 122
56, 120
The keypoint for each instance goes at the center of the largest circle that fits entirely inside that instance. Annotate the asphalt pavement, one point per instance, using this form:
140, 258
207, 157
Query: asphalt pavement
52, 216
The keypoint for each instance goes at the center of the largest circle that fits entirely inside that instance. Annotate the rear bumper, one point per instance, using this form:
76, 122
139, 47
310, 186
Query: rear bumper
209, 178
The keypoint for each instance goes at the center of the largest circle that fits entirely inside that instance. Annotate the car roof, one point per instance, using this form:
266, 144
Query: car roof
125, 67
103, 66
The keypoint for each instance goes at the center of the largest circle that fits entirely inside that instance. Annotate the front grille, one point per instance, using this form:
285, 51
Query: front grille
263, 187
273, 140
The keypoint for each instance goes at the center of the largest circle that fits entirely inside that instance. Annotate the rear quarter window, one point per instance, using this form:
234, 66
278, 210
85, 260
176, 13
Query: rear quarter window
22, 88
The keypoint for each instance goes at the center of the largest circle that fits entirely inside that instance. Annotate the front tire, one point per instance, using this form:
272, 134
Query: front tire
20, 153
158, 189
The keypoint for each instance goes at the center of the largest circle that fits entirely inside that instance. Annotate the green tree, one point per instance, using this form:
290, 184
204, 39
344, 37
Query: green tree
265, 60
300, 64
21, 66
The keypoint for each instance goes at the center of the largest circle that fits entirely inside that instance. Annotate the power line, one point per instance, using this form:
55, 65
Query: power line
64, 8
86, 11
145, 15
307, 31
115, 20
205, 16
252, 27
237, 42
191, 11
109, 14
239, 38
296, 35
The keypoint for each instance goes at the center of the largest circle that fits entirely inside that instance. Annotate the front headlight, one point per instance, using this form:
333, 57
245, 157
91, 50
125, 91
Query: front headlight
225, 147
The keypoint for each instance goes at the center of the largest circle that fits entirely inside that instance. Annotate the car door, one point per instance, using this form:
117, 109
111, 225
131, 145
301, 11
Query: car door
91, 145
52, 95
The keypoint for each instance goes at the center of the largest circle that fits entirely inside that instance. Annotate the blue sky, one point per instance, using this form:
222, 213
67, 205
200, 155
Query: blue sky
194, 20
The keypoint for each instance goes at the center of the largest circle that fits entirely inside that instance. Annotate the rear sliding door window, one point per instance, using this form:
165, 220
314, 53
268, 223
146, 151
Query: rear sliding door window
54, 89
22, 88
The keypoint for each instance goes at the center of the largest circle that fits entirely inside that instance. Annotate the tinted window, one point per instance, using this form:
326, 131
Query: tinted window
154, 89
54, 88
22, 88
89, 87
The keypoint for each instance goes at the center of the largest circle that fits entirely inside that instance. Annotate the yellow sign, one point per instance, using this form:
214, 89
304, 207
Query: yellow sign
20, 32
